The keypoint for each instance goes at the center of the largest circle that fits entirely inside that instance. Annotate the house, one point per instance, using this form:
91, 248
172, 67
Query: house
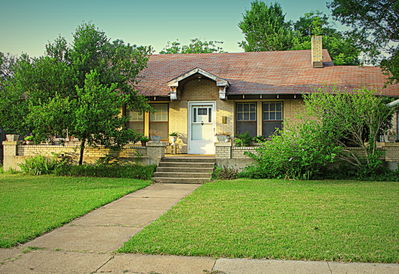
200, 96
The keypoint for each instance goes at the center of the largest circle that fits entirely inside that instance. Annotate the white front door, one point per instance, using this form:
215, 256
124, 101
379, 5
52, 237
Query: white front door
201, 128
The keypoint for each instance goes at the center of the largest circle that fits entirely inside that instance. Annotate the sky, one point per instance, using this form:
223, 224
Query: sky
26, 26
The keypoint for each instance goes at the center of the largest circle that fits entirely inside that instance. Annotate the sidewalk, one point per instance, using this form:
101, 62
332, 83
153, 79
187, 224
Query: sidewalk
51, 261
87, 245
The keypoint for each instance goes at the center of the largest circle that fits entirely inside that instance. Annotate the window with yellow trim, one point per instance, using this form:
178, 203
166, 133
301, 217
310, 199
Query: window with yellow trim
136, 121
159, 121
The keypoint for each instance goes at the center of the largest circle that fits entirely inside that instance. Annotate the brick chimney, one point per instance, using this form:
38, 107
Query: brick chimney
317, 51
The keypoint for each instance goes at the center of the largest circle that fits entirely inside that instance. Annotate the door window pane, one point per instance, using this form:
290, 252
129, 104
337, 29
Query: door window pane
202, 111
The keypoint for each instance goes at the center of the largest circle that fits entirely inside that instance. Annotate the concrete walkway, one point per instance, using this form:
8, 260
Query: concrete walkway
86, 245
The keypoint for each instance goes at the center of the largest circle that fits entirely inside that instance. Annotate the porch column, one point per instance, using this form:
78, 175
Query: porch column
259, 118
146, 124
223, 150
155, 151
10, 152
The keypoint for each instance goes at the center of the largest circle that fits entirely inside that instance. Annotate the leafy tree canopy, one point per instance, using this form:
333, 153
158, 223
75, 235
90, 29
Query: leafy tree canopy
266, 29
195, 46
79, 87
341, 47
375, 24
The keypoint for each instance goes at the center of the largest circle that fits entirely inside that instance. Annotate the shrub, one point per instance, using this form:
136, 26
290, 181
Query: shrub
300, 152
353, 118
224, 173
28, 138
340, 170
243, 140
259, 139
108, 170
39, 165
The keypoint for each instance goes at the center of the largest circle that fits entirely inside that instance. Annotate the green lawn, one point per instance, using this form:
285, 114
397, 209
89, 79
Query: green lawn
33, 205
307, 220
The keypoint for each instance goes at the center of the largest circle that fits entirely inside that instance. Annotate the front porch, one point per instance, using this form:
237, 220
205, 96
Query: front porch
198, 109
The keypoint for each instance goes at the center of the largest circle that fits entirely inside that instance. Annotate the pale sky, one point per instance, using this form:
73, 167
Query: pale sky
26, 26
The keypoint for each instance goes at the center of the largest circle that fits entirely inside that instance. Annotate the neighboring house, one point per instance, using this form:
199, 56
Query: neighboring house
203, 95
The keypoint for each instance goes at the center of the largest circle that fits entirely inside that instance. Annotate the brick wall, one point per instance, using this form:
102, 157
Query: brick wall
223, 151
91, 154
391, 151
239, 152
231, 156
16, 153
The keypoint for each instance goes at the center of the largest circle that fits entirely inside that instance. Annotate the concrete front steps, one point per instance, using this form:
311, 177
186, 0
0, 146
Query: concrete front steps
184, 170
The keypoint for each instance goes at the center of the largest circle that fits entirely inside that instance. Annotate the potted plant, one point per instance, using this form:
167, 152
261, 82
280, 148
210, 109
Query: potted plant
173, 137
28, 140
243, 140
223, 137
144, 140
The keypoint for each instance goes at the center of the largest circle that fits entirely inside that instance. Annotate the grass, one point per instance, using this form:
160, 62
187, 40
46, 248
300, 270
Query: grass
33, 205
300, 220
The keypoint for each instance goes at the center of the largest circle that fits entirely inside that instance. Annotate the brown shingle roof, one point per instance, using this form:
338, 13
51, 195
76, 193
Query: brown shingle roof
273, 72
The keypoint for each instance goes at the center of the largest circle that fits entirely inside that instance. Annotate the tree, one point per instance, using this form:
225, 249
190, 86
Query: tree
195, 46
354, 119
6, 66
12, 110
341, 47
265, 28
80, 88
94, 102
376, 26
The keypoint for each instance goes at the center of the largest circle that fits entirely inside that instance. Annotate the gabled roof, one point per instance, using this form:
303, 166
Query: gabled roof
274, 72
219, 81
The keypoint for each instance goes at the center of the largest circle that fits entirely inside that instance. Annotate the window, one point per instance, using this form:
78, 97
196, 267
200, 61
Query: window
246, 118
272, 117
136, 121
202, 114
159, 121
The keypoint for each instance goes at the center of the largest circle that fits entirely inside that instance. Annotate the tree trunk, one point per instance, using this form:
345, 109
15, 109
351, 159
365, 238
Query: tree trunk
82, 150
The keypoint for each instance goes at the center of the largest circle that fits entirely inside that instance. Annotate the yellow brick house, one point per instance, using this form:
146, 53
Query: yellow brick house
200, 96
